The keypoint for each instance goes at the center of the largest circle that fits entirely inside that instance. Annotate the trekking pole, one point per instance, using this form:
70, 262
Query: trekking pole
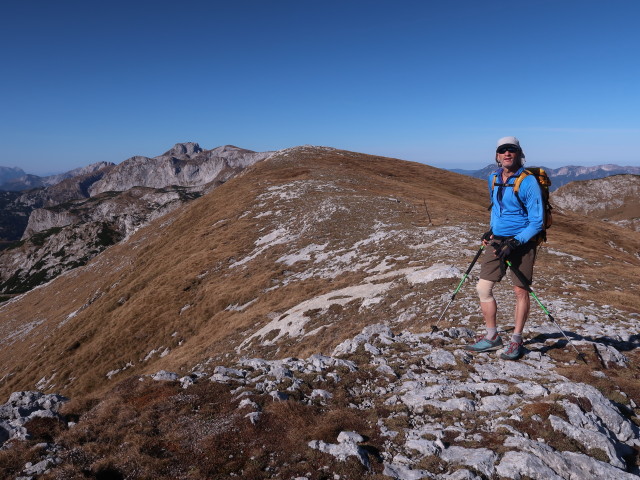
434, 328
524, 281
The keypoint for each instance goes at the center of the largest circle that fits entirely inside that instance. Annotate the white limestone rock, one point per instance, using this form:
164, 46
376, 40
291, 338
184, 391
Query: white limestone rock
461, 475
480, 459
517, 464
424, 447
23, 407
347, 446
498, 403
590, 439
164, 376
439, 358
322, 394
184, 164
611, 356
608, 414
399, 471
384, 333
539, 461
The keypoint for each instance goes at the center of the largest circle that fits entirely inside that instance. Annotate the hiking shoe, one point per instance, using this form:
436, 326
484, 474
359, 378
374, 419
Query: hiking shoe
513, 351
483, 344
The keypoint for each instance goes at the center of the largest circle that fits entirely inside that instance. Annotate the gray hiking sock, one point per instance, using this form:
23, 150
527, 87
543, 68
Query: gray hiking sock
491, 333
516, 337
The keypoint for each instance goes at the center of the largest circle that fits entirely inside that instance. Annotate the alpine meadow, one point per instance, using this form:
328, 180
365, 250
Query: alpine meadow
268, 315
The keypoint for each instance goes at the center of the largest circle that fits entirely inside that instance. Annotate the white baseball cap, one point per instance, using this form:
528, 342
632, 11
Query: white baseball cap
508, 141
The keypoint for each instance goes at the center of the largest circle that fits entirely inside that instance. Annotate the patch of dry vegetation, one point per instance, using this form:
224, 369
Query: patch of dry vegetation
157, 430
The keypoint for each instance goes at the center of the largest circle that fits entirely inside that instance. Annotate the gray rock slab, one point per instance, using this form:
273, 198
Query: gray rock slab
480, 459
564, 465
591, 440
403, 472
609, 415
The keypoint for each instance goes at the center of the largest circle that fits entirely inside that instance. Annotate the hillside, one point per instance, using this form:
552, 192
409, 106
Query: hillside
613, 199
295, 302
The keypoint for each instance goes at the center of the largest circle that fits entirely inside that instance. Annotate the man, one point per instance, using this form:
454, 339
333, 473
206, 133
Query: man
512, 237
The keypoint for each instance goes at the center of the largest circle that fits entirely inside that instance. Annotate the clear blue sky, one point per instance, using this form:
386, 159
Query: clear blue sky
431, 81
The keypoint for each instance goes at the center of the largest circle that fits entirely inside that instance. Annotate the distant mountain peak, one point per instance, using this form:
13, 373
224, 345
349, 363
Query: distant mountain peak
563, 175
181, 149
10, 173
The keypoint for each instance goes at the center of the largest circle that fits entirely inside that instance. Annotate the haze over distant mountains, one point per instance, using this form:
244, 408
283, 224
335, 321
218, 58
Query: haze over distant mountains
563, 175
15, 179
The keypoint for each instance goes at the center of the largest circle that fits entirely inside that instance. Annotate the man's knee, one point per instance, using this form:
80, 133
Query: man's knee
521, 293
485, 290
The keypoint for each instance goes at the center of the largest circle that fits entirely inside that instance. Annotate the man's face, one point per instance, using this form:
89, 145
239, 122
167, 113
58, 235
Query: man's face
508, 155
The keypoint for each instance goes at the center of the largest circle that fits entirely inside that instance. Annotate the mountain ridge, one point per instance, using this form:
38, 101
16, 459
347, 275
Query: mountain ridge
281, 324
563, 175
78, 217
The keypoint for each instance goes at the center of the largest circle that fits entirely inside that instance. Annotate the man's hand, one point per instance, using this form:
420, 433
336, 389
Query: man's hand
506, 247
486, 237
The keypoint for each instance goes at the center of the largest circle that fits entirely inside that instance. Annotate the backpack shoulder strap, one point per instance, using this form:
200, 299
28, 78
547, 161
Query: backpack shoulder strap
516, 185
494, 177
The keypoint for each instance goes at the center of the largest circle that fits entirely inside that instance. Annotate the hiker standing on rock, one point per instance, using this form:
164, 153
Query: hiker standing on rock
515, 225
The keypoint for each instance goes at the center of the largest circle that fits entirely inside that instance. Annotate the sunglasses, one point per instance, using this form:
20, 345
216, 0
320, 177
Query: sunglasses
508, 148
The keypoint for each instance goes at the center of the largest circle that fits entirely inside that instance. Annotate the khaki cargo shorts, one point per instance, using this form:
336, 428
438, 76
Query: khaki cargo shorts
522, 258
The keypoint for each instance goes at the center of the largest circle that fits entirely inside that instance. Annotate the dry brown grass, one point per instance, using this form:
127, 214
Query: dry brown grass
134, 294
13, 459
157, 430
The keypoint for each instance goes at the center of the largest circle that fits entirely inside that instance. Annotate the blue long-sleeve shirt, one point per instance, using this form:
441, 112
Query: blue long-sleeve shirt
508, 218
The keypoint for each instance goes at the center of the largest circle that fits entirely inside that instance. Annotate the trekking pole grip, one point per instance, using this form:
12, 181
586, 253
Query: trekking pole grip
475, 259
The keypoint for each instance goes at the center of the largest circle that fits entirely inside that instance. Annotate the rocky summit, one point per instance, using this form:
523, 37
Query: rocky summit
283, 325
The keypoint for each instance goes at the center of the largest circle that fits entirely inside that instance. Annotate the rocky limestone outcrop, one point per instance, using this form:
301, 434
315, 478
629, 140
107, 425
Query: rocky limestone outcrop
43, 219
66, 190
47, 254
602, 194
614, 199
439, 404
126, 211
185, 164
23, 407
77, 218
188, 149
17, 207
59, 239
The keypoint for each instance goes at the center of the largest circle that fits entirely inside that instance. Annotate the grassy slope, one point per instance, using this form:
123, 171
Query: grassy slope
132, 299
